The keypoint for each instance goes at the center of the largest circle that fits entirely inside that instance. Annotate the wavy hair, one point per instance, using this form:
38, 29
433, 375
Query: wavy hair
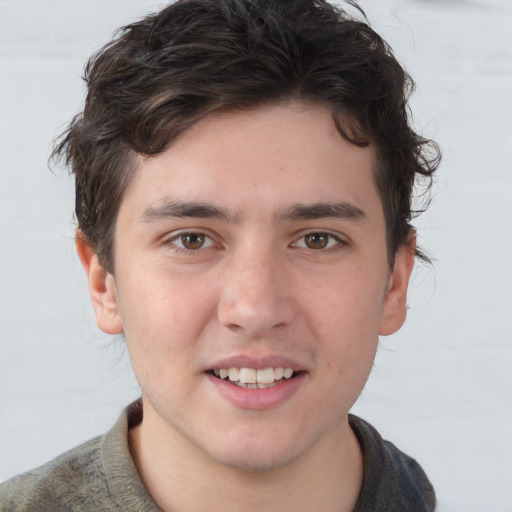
160, 75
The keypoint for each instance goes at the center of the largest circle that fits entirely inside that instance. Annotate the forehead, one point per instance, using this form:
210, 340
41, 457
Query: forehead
259, 161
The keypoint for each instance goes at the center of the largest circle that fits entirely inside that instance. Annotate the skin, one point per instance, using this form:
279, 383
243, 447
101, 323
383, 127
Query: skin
261, 280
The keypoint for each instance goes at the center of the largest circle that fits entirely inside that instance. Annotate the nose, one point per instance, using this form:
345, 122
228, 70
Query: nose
256, 295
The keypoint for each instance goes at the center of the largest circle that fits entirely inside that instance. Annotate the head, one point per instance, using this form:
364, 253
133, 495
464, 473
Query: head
244, 172
163, 74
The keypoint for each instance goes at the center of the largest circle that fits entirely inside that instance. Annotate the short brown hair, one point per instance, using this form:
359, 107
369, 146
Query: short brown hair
160, 75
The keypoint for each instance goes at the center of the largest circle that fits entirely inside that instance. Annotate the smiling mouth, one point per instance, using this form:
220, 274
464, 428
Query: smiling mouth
250, 378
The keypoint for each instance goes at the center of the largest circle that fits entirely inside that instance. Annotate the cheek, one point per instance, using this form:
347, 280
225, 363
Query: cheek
163, 315
344, 317
346, 305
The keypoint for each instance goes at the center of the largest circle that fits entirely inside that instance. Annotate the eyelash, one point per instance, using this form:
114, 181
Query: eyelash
338, 244
183, 250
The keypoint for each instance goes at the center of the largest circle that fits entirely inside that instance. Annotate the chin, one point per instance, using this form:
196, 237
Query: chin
256, 463
258, 455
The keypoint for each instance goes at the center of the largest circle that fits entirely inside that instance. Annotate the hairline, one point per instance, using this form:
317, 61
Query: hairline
134, 159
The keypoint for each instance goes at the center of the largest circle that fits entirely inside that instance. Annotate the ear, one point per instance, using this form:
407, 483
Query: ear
101, 288
395, 302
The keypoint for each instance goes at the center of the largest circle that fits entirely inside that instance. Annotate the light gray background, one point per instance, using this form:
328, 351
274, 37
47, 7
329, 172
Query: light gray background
441, 389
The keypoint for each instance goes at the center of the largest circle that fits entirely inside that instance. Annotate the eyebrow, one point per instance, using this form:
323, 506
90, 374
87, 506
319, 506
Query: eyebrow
181, 209
343, 210
201, 210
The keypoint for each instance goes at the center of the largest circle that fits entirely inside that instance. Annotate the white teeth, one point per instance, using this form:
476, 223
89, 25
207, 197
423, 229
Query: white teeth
252, 378
234, 374
265, 376
247, 375
278, 373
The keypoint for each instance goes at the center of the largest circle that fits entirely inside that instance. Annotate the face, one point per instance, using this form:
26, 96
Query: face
251, 283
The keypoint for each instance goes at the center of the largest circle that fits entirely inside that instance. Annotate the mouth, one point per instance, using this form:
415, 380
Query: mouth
252, 378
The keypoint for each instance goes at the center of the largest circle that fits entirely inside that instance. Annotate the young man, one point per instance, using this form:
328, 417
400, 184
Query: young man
244, 172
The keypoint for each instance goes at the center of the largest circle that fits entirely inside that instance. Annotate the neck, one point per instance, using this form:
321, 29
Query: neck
179, 476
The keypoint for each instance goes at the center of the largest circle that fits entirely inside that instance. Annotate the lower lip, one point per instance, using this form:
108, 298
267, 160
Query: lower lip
258, 399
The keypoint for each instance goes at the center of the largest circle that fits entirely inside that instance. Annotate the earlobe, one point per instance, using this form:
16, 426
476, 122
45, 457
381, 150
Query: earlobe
101, 288
394, 309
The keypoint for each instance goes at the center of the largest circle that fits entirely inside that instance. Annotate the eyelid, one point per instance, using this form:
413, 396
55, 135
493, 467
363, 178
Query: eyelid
340, 241
172, 237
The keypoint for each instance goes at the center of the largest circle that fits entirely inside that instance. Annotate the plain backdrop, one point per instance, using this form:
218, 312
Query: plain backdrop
441, 389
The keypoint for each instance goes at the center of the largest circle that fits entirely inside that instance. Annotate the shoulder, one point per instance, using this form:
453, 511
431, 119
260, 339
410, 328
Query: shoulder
97, 475
392, 480
69, 482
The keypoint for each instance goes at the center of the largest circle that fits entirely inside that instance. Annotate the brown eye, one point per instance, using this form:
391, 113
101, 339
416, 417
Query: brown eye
317, 240
192, 241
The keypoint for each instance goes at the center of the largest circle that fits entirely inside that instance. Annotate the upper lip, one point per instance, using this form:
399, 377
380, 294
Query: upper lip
258, 363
